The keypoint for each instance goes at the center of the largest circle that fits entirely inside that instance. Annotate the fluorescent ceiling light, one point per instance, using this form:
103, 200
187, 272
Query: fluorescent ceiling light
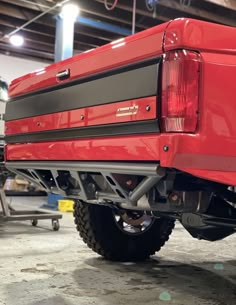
70, 10
16, 40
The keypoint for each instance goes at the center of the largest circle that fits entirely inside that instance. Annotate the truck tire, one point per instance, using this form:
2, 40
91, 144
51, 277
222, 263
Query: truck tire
98, 228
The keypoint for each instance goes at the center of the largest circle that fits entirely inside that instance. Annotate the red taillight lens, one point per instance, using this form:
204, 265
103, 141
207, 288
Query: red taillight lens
180, 90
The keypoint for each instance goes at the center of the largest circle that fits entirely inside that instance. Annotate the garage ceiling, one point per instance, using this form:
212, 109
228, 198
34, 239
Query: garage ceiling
40, 34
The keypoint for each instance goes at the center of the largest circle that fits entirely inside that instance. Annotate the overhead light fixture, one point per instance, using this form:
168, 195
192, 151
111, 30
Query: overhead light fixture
70, 11
16, 40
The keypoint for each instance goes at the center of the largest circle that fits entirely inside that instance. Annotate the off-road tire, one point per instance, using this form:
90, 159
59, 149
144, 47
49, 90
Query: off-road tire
98, 229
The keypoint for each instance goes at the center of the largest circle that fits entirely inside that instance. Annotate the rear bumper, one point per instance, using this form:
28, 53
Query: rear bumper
122, 148
186, 152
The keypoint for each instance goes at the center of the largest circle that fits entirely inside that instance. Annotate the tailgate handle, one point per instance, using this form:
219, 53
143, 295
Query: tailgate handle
63, 74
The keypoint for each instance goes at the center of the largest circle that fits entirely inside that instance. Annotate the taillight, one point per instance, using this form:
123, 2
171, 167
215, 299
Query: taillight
180, 91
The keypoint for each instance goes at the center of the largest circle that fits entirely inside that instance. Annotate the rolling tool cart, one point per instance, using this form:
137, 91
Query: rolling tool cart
10, 214
7, 212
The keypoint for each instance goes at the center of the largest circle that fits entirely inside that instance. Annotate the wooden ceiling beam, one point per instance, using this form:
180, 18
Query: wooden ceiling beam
33, 5
39, 54
230, 4
143, 12
197, 12
12, 11
96, 9
14, 23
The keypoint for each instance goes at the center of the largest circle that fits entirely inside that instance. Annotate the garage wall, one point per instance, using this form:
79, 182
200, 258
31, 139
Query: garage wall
13, 67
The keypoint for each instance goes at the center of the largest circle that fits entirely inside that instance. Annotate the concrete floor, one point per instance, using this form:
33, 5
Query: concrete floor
42, 267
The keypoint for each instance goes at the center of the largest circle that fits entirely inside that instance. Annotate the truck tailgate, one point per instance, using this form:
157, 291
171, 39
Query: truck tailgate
122, 52
88, 96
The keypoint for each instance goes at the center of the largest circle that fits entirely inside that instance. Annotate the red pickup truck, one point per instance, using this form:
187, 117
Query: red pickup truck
139, 132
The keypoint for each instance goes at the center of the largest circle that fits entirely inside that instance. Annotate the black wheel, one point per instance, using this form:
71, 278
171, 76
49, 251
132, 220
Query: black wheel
55, 225
131, 236
34, 222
